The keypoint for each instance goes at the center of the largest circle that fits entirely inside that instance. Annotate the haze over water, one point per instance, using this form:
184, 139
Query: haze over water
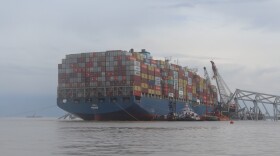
46, 137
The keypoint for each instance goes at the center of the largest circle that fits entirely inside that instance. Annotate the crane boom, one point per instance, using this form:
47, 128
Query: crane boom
208, 82
206, 75
223, 89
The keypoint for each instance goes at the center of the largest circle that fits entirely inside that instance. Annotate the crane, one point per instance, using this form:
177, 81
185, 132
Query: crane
206, 75
230, 102
217, 106
208, 81
224, 91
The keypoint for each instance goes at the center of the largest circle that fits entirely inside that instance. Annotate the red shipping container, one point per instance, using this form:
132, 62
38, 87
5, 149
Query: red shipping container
131, 58
89, 64
157, 87
153, 62
144, 90
135, 83
137, 93
144, 66
135, 78
88, 74
93, 78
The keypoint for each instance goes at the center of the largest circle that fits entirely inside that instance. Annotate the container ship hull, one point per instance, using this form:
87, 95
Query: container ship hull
145, 109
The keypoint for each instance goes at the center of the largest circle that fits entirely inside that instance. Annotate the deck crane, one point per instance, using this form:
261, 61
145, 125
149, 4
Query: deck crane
208, 81
224, 91
206, 76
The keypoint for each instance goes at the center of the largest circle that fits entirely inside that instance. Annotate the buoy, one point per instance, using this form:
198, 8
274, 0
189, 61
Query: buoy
231, 122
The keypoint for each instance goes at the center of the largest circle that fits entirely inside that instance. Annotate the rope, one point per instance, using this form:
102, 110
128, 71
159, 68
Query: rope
127, 112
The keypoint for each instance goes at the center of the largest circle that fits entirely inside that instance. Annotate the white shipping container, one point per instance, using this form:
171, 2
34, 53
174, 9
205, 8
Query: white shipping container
157, 83
157, 78
135, 68
189, 81
136, 63
128, 54
186, 74
181, 92
135, 73
176, 86
190, 96
170, 94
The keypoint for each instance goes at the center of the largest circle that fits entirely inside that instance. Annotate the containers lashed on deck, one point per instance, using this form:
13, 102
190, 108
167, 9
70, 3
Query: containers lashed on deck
136, 71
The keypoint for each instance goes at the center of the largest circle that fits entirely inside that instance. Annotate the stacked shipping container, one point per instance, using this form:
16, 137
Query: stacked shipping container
130, 73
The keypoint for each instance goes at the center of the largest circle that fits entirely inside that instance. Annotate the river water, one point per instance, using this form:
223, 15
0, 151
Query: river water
46, 136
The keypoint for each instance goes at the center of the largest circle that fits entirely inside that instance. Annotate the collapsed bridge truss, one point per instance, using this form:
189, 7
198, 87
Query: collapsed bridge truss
259, 100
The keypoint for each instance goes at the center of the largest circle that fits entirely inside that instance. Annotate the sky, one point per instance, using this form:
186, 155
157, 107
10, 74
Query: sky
240, 36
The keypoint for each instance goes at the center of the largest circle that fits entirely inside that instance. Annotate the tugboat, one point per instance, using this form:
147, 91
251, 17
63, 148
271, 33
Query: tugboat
188, 115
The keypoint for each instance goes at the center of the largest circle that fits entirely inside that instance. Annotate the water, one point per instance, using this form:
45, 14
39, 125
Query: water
46, 137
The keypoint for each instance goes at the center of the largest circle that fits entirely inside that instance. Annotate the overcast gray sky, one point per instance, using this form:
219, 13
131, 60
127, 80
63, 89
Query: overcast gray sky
241, 36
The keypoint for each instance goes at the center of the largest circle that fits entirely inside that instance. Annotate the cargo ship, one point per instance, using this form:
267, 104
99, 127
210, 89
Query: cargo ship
128, 85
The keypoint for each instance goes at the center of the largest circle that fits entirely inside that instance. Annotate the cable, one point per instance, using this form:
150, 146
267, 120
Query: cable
127, 112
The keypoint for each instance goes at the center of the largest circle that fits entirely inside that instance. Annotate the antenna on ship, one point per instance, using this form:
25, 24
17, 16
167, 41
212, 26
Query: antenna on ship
168, 59
177, 61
